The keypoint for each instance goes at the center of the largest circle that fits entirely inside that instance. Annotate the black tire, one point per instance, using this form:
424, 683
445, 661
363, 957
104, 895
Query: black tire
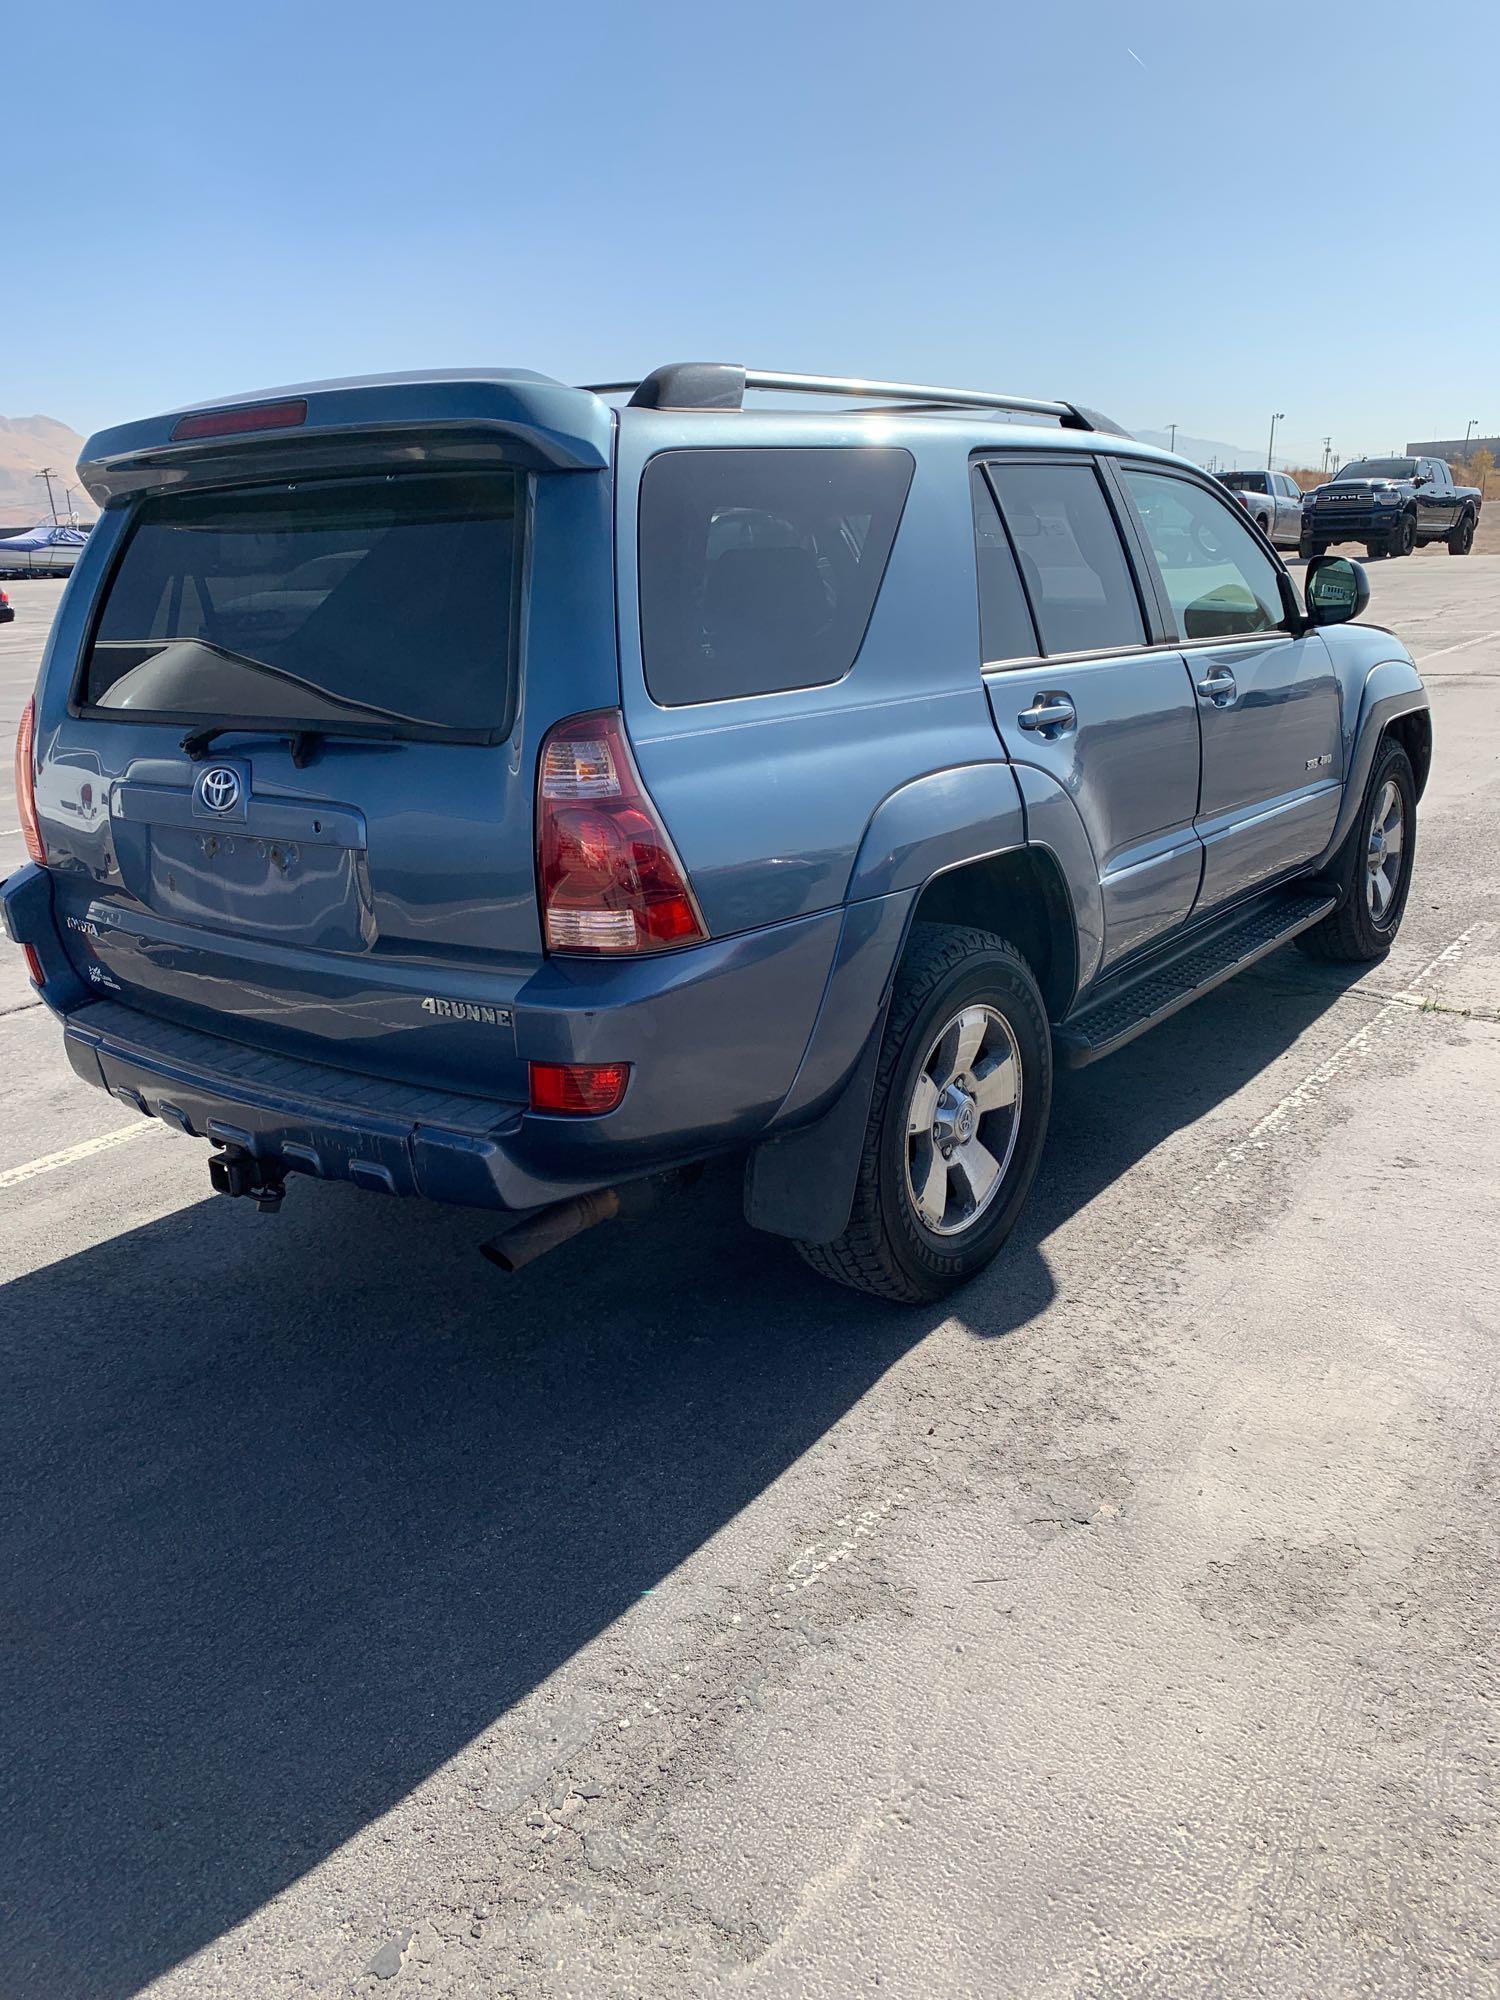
887, 1249
1461, 541
1376, 551
1307, 550
1404, 535
1351, 934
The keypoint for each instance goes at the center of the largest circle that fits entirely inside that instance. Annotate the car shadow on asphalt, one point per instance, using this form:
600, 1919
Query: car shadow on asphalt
295, 1507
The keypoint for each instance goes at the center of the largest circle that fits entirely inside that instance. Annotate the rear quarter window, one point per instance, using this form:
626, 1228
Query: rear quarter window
759, 569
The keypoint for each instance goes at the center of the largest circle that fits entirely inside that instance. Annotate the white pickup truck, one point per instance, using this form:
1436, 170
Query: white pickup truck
1273, 501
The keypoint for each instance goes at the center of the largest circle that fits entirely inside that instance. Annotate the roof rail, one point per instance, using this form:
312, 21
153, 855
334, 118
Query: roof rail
721, 385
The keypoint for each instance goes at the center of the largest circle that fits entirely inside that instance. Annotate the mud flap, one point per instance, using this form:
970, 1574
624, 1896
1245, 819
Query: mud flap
801, 1184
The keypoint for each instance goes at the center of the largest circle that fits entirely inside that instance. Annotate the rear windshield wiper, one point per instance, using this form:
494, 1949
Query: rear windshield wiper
304, 742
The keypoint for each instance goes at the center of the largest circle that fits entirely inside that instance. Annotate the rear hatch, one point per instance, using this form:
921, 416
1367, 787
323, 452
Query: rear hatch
288, 727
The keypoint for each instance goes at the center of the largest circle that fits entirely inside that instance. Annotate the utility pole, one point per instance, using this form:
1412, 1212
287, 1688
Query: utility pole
1327, 453
1473, 426
1279, 417
1173, 429
46, 473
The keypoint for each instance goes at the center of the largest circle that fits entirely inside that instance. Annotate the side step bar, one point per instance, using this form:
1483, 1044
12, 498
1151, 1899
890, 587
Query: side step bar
1110, 1020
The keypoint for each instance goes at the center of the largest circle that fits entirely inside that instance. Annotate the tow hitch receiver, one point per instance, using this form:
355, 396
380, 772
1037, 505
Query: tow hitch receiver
236, 1172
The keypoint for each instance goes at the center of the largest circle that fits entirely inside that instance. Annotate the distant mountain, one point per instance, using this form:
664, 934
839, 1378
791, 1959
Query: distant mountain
1224, 457
26, 445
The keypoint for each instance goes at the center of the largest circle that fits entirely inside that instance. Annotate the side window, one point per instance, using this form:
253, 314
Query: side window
759, 568
1074, 567
1005, 628
1220, 581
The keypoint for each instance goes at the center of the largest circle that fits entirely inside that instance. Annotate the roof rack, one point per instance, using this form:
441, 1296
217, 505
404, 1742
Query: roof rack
721, 385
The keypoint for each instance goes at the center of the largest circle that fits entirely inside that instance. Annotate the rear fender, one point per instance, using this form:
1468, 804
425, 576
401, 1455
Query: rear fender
936, 822
801, 1178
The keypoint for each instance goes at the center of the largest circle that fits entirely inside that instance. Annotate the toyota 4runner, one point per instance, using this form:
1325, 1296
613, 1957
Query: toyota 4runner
465, 787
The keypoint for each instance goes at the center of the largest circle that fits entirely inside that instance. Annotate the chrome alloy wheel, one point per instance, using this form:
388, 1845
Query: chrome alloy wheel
1383, 853
963, 1118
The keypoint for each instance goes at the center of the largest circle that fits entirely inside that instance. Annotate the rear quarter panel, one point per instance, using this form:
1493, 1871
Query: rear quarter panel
768, 797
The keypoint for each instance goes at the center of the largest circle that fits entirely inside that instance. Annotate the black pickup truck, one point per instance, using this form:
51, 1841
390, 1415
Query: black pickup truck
1391, 505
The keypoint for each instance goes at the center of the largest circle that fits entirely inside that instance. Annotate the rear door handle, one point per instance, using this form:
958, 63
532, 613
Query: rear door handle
1050, 714
1219, 686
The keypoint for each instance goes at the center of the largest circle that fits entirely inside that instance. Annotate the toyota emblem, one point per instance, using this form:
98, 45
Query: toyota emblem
219, 788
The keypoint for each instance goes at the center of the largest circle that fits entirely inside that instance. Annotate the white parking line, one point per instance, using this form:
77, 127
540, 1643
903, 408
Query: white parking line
1442, 651
13, 1176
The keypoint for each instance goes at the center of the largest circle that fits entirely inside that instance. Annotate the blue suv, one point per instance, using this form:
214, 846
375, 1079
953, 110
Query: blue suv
474, 787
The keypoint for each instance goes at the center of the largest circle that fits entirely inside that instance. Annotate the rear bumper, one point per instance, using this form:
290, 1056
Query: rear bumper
301, 1117
714, 1038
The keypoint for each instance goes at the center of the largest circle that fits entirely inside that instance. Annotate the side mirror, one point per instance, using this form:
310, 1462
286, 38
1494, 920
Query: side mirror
1336, 590
1421, 479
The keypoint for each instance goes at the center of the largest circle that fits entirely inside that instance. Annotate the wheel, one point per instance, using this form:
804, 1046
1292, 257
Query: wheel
1462, 538
957, 1120
1404, 535
1263, 522
1307, 550
1376, 551
1375, 867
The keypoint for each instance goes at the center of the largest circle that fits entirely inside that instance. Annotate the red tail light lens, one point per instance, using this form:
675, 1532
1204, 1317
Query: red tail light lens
610, 877
26, 782
578, 1089
229, 423
34, 967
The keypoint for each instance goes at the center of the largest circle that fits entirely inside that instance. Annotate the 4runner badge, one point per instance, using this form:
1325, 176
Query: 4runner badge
467, 1010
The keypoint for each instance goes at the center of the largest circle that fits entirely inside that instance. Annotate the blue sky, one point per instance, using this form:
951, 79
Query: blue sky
1192, 213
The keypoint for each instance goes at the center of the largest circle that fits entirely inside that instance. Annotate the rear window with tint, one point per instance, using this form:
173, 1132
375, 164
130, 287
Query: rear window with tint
1070, 555
759, 569
381, 603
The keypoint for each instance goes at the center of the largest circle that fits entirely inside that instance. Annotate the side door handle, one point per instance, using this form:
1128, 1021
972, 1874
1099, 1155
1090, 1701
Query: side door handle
1049, 714
1219, 686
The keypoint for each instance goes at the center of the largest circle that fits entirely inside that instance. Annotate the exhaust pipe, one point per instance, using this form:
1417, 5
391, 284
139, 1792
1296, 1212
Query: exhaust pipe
514, 1248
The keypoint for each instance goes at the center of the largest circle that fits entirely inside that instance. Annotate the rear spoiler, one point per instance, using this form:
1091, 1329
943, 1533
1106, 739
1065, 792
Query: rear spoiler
446, 418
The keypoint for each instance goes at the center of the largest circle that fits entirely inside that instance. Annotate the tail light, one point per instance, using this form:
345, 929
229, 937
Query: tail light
609, 876
578, 1089
26, 782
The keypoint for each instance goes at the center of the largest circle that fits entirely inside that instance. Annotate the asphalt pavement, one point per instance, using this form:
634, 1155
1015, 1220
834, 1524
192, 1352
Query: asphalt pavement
663, 1622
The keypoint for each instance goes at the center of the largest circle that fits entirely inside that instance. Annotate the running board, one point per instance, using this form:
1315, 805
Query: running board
1107, 1023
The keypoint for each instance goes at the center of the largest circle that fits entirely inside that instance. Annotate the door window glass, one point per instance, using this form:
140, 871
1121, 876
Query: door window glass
1221, 583
1071, 558
1005, 628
